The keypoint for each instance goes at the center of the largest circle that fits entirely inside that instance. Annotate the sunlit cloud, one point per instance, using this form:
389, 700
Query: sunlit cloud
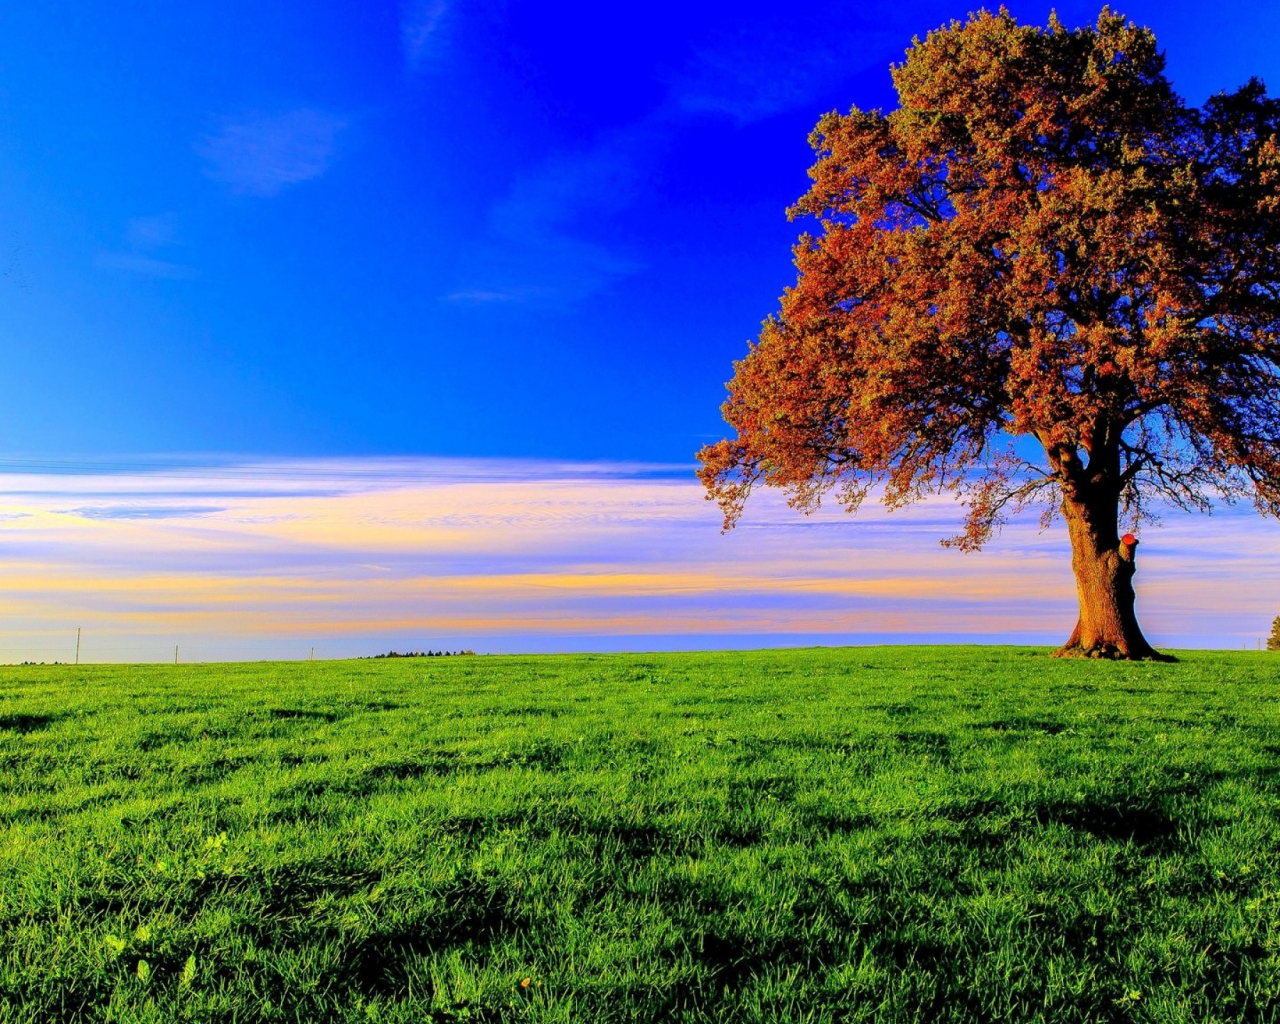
353, 556
261, 154
145, 512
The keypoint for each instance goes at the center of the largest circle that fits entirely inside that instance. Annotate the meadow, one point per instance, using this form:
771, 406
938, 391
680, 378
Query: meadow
860, 834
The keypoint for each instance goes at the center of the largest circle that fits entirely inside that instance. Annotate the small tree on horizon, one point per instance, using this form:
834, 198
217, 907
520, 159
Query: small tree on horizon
1273, 641
1042, 280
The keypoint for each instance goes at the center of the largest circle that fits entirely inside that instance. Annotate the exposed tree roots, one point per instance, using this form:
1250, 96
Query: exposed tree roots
1110, 652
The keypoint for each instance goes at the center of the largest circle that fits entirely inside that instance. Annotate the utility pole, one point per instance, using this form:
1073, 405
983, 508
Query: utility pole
78, 628
312, 655
175, 654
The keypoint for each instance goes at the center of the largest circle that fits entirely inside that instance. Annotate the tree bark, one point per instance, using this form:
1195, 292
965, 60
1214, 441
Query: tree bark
1104, 564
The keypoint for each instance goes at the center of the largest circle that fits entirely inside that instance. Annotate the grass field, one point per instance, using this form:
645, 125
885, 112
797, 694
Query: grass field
879, 834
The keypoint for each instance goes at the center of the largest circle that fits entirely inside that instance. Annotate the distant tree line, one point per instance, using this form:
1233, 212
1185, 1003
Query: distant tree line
424, 654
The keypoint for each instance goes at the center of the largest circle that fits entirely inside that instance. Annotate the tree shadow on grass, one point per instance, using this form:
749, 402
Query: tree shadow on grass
470, 912
897, 711
51, 812
23, 724
216, 769
726, 962
321, 716
1019, 723
992, 824
1147, 827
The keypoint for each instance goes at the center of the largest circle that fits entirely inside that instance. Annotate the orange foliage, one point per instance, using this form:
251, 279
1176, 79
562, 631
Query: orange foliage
1042, 241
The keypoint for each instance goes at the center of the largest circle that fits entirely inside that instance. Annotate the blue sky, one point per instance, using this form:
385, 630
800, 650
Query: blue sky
491, 229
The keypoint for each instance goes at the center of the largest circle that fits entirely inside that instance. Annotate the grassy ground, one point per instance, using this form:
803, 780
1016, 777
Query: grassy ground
892, 834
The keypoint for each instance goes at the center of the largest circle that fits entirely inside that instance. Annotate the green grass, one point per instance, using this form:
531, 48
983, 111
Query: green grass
891, 834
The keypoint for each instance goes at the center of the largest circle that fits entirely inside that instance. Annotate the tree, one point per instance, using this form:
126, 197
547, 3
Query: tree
1042, 280
1273, 641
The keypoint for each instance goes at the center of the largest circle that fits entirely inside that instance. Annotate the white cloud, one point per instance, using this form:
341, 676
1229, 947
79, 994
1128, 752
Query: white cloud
143, 236
153, 232
544, 242
135, 264
260, 154
419, 22
736, 80
480, 295
724, 82
766, 66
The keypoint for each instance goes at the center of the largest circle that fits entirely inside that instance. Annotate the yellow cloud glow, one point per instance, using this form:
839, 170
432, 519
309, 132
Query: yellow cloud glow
359, 555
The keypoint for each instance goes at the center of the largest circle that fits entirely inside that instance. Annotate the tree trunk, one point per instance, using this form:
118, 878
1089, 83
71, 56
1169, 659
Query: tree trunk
1104, 565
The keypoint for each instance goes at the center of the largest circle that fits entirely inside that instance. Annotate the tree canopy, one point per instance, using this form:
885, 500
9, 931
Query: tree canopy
1042, 243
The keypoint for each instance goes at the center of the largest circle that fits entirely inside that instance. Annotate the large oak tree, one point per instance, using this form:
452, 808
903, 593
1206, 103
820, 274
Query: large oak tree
1042, 279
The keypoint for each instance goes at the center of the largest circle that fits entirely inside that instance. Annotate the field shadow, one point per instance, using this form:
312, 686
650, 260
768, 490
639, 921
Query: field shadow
23, 723
629, 840
378, 705
838, 823
727, 961
153, 740
1144, 826
730, 960
1019, 723
313, 798
438, 763
897, 712
923, 743
522, 711
752, 789
51, 812
538, 756
204, 773
470, 912
289, 890
993, 823
304, 713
